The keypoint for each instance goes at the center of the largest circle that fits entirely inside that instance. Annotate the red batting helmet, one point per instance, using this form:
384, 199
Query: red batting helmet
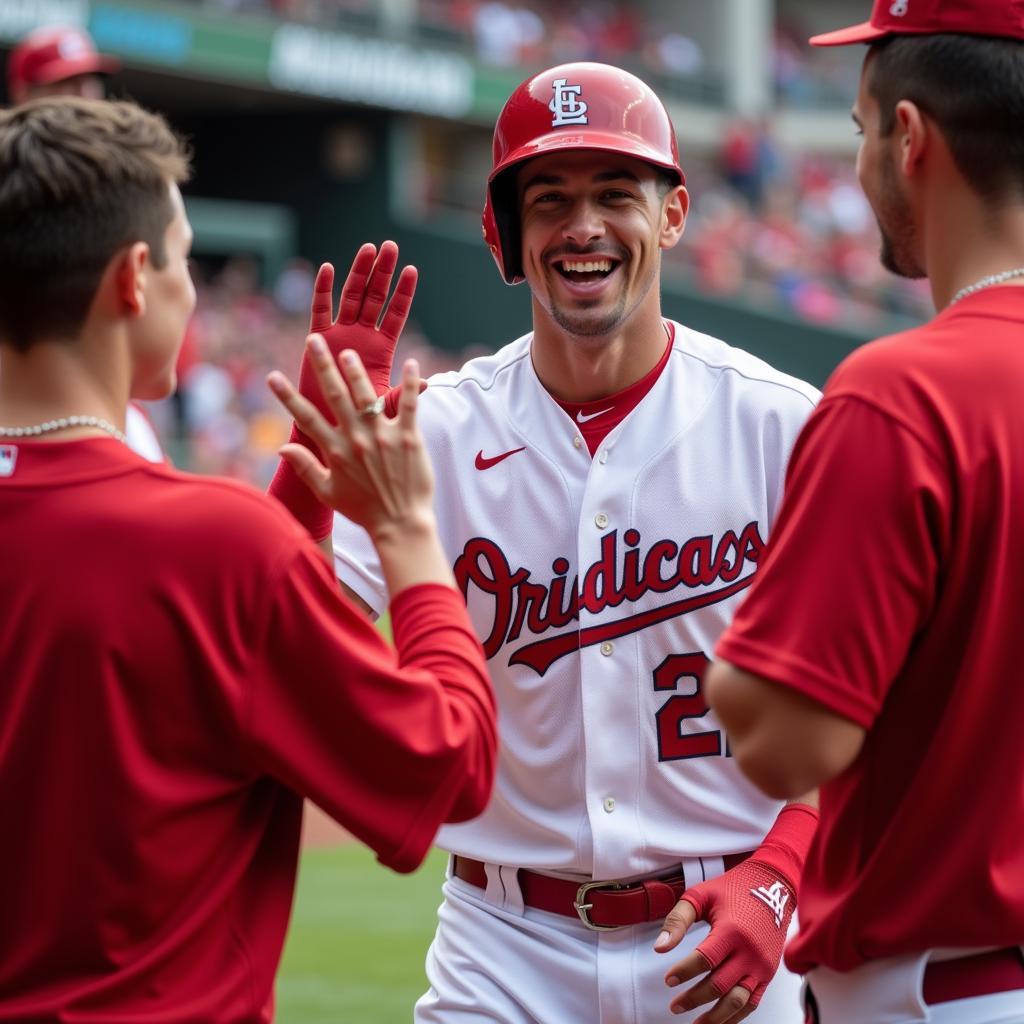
572, 106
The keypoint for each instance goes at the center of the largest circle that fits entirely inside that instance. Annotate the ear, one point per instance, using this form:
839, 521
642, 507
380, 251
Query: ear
673, 216
913, 135
130, 278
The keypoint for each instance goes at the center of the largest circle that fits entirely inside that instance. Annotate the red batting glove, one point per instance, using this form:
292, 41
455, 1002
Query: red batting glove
362, 300
749, 909
363, 297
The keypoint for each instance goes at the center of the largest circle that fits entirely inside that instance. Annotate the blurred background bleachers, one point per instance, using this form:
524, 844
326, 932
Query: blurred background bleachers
320, 124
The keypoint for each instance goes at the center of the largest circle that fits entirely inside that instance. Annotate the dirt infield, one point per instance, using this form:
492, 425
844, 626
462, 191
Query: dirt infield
320, 830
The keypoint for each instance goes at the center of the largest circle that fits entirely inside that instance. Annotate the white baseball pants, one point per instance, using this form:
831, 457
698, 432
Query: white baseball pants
890, 992
509, 964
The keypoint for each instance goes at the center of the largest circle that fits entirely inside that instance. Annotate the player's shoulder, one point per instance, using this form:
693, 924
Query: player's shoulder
482, 373
885, 365
480, 387
222, 514
756, 379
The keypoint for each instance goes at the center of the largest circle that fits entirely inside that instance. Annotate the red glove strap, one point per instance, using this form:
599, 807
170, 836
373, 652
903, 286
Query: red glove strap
749, 907
785, 847
303, 504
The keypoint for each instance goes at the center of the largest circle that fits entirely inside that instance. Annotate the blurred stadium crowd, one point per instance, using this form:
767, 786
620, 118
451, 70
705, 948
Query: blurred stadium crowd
521, 33
793, 232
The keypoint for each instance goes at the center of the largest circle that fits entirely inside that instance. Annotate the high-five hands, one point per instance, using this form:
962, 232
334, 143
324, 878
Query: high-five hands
372, 469
364, 297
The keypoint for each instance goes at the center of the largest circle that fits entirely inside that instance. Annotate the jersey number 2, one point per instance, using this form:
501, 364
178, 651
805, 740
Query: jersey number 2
672, 744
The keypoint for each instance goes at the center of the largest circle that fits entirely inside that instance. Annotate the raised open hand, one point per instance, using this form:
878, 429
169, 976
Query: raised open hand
364, 298
374, 470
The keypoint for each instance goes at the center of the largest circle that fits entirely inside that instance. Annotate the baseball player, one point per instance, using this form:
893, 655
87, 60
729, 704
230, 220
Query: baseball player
877, 652
607, 483
179, 665
58, 61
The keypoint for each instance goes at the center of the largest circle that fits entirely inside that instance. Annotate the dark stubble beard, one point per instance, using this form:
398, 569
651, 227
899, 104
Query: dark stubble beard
896, 226
582, 327
589, 328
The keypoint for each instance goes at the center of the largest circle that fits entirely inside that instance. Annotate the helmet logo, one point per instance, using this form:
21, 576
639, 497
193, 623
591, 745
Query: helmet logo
899, 8
567, 107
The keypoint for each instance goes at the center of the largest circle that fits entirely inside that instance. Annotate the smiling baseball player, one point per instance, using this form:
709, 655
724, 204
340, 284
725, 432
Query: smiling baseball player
606, 485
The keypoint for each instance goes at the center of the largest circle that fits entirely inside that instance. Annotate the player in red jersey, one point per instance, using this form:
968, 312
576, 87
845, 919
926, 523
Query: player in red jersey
179, 666
878, 651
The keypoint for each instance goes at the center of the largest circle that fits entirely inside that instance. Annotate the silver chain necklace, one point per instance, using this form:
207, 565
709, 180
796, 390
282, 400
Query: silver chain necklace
64, 423
987, 282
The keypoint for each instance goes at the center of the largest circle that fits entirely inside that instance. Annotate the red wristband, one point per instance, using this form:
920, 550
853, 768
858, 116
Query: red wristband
785, 847
304, 505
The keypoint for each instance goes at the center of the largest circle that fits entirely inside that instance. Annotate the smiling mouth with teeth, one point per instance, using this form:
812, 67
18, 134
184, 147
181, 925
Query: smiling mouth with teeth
585, 270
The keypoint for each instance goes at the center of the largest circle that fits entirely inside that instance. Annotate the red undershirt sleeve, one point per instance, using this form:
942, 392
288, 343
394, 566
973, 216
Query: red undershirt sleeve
850, 570
391, 744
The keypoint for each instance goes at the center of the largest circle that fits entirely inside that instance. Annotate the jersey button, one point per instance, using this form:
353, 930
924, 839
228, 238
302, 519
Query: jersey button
607, 648
603, 457
609, 804
600, 520
577, 441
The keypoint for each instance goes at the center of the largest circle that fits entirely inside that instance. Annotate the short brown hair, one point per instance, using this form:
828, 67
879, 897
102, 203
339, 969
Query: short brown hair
79, 180
973, 88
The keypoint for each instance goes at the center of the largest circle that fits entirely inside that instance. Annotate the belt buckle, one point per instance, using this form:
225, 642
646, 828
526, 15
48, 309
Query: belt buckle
583, 909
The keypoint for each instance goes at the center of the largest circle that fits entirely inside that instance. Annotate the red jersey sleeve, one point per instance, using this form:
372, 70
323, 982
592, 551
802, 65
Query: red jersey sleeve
390, 743
850, 569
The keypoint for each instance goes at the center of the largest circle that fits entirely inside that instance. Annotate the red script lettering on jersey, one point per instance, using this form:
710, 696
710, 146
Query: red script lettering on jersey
612, 580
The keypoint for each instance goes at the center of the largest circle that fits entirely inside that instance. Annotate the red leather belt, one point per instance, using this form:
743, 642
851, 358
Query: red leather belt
983, 974
601, 906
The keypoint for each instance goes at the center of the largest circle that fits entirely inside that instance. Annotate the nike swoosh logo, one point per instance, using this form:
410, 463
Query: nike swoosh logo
580, 418
485, 463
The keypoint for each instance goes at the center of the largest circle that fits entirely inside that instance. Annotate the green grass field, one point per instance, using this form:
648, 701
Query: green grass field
358, 937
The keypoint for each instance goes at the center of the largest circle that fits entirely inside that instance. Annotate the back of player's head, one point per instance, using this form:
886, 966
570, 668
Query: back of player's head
961, 62
79, 181
972, 87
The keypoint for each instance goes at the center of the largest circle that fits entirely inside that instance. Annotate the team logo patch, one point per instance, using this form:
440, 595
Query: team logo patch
899, 8
567, 106
775, 897
8, 457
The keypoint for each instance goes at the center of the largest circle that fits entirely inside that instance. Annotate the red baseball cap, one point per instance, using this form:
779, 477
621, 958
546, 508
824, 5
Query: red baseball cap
929, 17
52, 54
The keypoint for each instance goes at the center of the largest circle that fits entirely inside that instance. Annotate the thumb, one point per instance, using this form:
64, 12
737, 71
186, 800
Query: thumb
678, 922
307, 468
392, 396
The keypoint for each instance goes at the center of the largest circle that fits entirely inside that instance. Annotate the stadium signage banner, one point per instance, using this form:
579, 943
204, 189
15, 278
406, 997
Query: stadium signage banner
378, 72
19, 17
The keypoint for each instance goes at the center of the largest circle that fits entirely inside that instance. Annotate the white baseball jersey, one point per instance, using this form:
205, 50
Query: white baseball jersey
142, 437
598, 588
